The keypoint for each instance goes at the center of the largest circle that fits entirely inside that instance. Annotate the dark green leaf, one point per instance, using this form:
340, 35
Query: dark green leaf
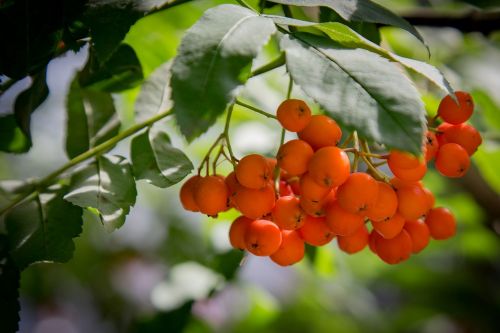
43, 229
12, 138
359, 10
346, 36
154, 96
358, 88
91, 119
109, 22
155, 160
9, 289
106, 185
121, 72
213, 61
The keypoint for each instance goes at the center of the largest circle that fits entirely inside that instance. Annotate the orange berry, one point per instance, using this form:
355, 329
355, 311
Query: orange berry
410, 175
355, 242
291, 250
262, 237
441, 223
237, 232
285, 189
211, 195
255, 203
412, 202
440, 133
419, 234
372, 240
452, 160
294, 183
385, 205
186, 194
454, 113
322, 131
232, 186
431, 145
396, 249
315, 231
358, 193
430, 197
329, 166
317, 208
402, 160
293, 115
465, 135
342, 222
311, 189
253, 171
294, 157
287, 213
390, 228
399, 183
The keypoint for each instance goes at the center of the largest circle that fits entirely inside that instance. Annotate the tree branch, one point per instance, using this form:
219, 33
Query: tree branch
484, 22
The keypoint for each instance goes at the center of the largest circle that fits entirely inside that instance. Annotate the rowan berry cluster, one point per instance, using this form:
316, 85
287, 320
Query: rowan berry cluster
309, 195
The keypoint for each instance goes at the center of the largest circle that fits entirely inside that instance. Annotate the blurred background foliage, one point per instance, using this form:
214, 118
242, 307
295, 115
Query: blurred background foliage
167, 270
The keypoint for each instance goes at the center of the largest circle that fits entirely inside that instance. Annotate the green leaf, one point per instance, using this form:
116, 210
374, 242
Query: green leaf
91, 119
346, 36
155, 93
213, 61
358, 88
106, 185
121, 72
359, 10
43, 229
9, 289
109, 22
12, 138
155, 160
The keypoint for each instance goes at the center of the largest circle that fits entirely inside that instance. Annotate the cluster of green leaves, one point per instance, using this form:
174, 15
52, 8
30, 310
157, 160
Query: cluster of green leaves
352, 78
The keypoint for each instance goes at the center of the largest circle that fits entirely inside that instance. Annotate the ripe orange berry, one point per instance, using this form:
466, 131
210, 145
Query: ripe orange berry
412, 202
342, 222
385, 205
293, 115
262, 237
285, 189
355, 242
294, 183
419, 234
372, 240
317, 208
291, 250
391, 227
396, 249
431, 145
454, 113
440, 133
315, 231
237, 232
211, 195
187, 194
294, 157
255, 204
312, 190
412, 174
397, 183
253, 171
402, 160
452, 160
329, 166
357, 193
322, 131
288, 214
232, 186
465, 135
441, 223
430, 197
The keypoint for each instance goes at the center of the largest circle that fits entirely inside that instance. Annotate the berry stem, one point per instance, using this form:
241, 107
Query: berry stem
99, 149
277, 171
253, 108
290, 87
233, 159
273, 64
206, 159
356, 149
347, 141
